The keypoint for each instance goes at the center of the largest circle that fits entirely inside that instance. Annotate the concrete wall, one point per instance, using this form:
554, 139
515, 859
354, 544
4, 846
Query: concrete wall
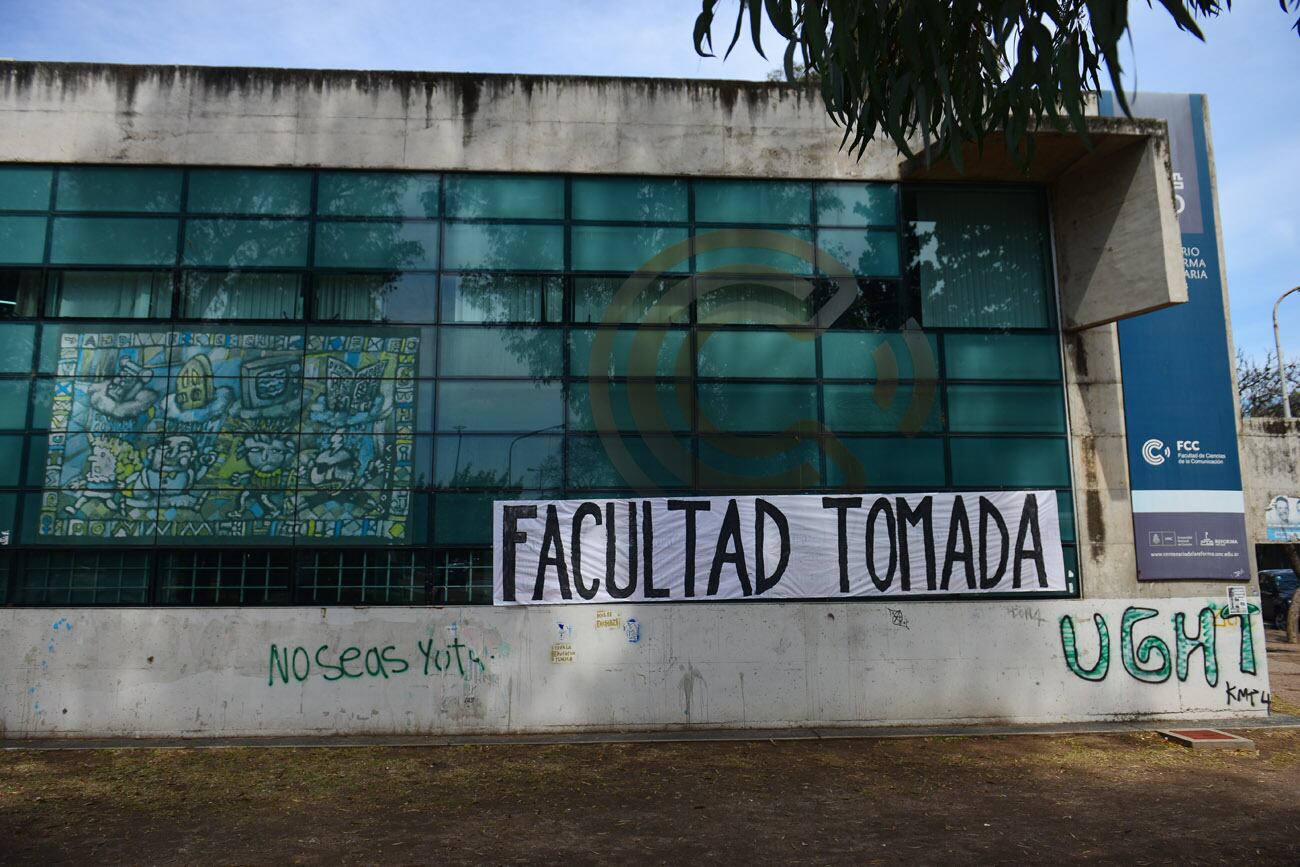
211, 672
1270, 466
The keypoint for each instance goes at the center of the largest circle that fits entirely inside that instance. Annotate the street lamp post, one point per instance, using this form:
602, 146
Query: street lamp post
1281, 362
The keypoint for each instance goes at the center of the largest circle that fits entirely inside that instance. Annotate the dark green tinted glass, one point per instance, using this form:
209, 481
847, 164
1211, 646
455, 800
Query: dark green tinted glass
241, 295
25, 188
13, 403
377, 194
1002, 356
866, 355
645, 465
502, 298
528, 460
630, 406
504, 247
374, 297
505, 197
1009, 462
775, 202
19, 291
758, 407
631, 300
525, 352
785, 251
767, 300
644, 352
22, 240
516, 405
87, 188
635, 200
408, 246
853, 204
885, 463
113, 241
769, 463
1065, 513
109, 294
16, 345
246, 243
465, 519
1005, 409
249, 191
861, 252
756, 354
881, 408
627, 248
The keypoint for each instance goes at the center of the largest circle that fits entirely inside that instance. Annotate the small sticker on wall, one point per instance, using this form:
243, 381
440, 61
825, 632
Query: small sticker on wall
606, 619
1237, 601
562, 653
632, 630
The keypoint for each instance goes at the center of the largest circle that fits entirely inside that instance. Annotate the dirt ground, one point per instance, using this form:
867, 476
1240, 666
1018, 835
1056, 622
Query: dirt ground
1128, 798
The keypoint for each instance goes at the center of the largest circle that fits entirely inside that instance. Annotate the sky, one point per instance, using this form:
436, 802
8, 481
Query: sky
1249, 67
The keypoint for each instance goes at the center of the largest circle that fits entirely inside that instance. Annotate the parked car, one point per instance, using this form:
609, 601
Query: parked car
1276, 588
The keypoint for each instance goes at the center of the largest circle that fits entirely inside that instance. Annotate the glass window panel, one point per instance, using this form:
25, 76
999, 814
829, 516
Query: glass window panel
772, 463
501, 352
1002, 356
412, 246
644, 465
502, 247
502, 298
110, 294
1065, 513
8, 522
246, 243
982, 259
42, 402
249, 191
625, 248
881, 407
13, 403
1006, 409
645, 302
862, 252
853, 204
886, 463
1009, 462
777, 202
640, 352
25, 188
113, 241
37, 451
19, 291
499, 406
761, 251
756, 354
422, 341
466, 519
16, 344
241, 295
859, 355
462, 577
499, 461
737, 406
771, 300
22, 240
629, 199
505, 197
632, 406
377, 194
90, 188
871, 304
374, 297
11, 459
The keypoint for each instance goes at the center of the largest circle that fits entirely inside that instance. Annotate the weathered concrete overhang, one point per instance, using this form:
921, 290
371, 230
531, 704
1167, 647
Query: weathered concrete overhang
1118, 248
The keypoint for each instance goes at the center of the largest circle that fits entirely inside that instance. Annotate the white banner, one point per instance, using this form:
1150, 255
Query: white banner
791, 547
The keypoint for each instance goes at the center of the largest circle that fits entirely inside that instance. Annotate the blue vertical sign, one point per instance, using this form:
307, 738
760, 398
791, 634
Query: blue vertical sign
1179, 408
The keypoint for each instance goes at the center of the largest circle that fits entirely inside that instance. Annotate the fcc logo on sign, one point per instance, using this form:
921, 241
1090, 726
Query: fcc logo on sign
1154, 452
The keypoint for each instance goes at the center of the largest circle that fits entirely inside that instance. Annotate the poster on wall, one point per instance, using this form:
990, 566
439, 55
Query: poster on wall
212, 435
707, 549
1189, 517
1282, 519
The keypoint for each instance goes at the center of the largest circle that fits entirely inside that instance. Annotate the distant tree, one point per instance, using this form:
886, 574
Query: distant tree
953, 70
1259, 386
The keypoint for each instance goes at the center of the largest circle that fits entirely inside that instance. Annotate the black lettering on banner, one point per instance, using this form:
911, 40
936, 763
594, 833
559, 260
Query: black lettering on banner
959, 523
923, 514
610, 584
611, 546
648, 554
842, 505
987, 511
586, 510
690, 507
762, 581
1029, 524
881, 505
736, 557
551, 543
510, 536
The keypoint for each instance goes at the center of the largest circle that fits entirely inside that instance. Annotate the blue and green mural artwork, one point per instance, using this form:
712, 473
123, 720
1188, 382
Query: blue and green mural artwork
208, 434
